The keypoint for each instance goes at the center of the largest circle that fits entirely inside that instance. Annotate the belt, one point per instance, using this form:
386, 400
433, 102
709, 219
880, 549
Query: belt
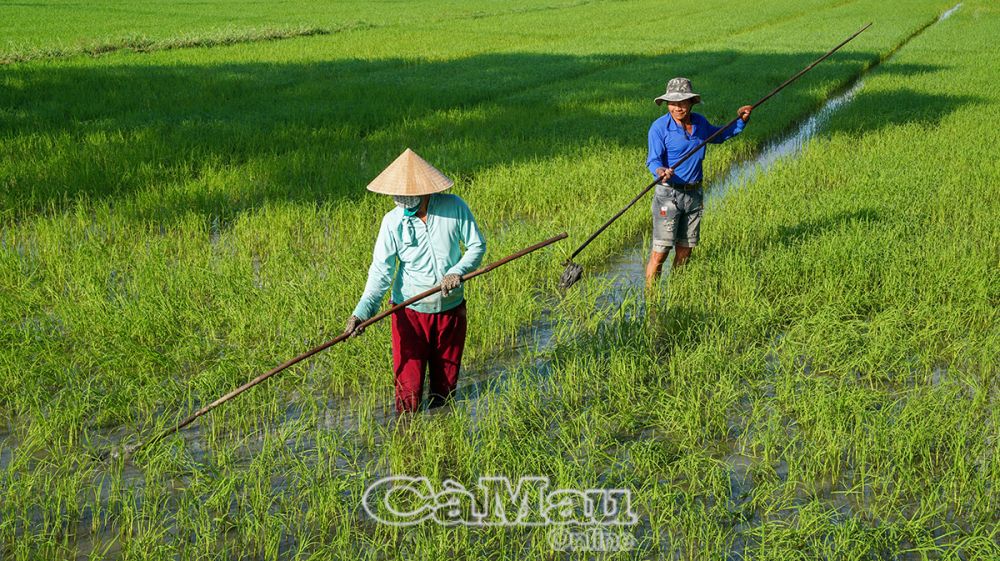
687, 187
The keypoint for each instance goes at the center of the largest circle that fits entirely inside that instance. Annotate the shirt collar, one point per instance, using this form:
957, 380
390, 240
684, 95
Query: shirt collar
408, 222
672, 124
430, 203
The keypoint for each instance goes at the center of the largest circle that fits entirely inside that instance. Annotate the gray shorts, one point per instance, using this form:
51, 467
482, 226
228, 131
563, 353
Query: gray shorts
676, 218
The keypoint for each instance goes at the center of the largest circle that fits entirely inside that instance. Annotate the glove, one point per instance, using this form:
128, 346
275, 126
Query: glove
352, 328
449, 283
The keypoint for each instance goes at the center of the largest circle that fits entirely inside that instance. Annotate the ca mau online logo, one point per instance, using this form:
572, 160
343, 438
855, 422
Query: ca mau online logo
405, 501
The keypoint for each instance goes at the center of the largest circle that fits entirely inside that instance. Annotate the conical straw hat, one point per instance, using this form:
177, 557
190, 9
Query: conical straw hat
409, 174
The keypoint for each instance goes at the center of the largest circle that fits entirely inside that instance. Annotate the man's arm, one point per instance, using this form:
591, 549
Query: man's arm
380, 273
657, 149
475, 243
733, 129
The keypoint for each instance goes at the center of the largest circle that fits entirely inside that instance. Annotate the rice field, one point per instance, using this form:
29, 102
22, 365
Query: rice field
183, 207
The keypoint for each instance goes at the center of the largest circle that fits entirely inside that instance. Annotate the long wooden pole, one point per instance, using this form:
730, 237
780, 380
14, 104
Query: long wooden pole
710, 138
340, 338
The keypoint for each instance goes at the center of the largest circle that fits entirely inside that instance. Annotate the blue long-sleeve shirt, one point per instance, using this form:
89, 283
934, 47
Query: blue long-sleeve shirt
668, 141
413, 256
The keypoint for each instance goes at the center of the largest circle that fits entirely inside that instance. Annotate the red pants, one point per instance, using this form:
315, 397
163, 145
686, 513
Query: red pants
420, 340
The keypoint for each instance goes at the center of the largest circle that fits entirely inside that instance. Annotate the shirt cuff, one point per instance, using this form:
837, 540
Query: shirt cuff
363, 310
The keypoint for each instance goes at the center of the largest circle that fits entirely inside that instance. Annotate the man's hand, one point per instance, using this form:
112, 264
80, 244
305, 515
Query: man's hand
744, 112
449, 283
352, 328
665, 174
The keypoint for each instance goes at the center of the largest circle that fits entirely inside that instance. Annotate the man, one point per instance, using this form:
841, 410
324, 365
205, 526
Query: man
677, 202
417, 249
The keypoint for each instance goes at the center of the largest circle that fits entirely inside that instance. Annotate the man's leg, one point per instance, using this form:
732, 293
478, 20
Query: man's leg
664, 226
409, 359
445, 356
681, 255
688, 226
655, 266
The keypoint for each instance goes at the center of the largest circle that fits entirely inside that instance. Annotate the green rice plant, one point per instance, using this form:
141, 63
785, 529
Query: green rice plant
144, 44
818, 382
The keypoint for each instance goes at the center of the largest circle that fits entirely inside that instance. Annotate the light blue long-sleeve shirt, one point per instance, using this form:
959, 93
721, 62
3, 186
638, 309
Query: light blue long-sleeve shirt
413, 256
668, 142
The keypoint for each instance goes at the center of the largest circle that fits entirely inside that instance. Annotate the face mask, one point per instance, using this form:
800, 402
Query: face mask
409, 203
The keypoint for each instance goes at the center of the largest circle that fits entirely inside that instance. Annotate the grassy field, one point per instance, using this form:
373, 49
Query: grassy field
820, 382
57, 28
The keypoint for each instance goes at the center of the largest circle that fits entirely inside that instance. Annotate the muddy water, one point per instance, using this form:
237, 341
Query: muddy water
622, 281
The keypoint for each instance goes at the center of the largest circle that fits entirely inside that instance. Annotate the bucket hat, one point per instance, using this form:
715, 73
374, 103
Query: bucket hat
678, 89
409, 174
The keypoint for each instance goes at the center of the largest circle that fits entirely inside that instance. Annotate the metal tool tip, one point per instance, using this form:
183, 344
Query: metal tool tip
572, 274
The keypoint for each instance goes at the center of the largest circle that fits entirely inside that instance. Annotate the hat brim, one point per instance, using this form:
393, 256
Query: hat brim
410, 175
408, 190
695, 98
